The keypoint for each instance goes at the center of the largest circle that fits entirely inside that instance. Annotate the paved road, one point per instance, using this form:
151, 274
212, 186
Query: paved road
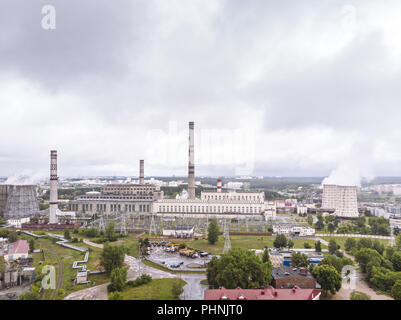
193, 290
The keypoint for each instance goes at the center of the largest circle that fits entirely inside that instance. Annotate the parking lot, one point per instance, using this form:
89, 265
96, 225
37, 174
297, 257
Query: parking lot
175, 261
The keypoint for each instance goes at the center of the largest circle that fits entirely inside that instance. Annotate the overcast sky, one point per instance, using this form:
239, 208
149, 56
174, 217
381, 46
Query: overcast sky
289, 88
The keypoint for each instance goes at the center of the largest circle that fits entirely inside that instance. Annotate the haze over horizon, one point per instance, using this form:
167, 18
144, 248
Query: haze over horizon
274, 88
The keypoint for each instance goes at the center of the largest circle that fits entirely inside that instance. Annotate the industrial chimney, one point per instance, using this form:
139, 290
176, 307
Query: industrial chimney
53, 187
191, 163
219, 185
141, 172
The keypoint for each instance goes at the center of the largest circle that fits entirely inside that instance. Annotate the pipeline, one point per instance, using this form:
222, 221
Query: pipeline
64, 242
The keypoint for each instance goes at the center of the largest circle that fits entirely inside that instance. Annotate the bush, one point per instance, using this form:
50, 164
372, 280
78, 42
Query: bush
307, 245
115, 296
356, 295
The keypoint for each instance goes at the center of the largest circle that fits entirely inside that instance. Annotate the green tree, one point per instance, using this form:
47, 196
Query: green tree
112, 257
213, 232
350, 244
379, 247
110, 234
331, 227
367, 258
310, 219
31, 245
30, 295
396, 260
2, 264
116, 296
238, 267
12, 237
67, 234
336, 262
118, 278
398, 241
319, 225
265, 255
290, 244
318, 246
364, 243
328, 277
396, 290
332, 246
299, 260
280, 241
177, 288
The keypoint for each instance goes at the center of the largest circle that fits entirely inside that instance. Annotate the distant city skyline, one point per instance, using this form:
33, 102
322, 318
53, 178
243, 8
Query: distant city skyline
274, 88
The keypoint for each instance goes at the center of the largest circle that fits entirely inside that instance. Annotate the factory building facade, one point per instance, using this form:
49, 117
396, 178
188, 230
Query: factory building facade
343, 199
117, 198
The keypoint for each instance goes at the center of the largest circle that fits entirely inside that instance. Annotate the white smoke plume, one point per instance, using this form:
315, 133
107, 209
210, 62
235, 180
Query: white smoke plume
26, 177
358, 165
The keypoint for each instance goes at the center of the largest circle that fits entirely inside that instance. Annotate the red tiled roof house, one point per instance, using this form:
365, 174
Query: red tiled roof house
269, 293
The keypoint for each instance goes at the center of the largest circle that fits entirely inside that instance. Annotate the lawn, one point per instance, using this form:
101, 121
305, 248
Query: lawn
341, 241
247, 242
157, 289
67, 256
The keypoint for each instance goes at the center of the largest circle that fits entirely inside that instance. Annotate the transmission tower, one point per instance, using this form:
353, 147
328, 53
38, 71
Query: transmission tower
101, 225
152, 228
123, 225
227, 243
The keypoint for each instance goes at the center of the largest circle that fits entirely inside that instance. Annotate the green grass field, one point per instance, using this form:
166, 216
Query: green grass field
67, 257
157, 289
341, 241
247, 242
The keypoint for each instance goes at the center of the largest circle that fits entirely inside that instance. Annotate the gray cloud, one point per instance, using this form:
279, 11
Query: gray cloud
313, 80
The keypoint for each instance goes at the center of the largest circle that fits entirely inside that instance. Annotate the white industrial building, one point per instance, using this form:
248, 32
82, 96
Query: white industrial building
290, 229
341, 199
302, 209
179, 231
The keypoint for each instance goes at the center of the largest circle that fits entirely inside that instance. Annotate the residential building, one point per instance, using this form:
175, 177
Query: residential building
287, 277
17, 250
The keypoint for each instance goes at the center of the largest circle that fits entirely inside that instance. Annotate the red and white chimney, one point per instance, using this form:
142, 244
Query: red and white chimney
219, 185
53, 187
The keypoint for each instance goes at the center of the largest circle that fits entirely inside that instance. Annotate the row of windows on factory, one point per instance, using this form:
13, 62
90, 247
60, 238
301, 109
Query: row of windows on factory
234, 198
211, 209
87, 207
122, 198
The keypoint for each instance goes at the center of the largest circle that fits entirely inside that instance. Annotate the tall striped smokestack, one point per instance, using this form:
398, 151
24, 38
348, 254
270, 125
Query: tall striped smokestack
141, 172
53, 187
219, 185
191, 163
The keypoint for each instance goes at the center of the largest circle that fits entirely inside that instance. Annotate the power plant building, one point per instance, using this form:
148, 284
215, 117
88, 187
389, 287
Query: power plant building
341, 199
118, 198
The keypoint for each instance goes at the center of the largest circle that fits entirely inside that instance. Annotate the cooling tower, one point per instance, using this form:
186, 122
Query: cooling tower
343, 199
21, 201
